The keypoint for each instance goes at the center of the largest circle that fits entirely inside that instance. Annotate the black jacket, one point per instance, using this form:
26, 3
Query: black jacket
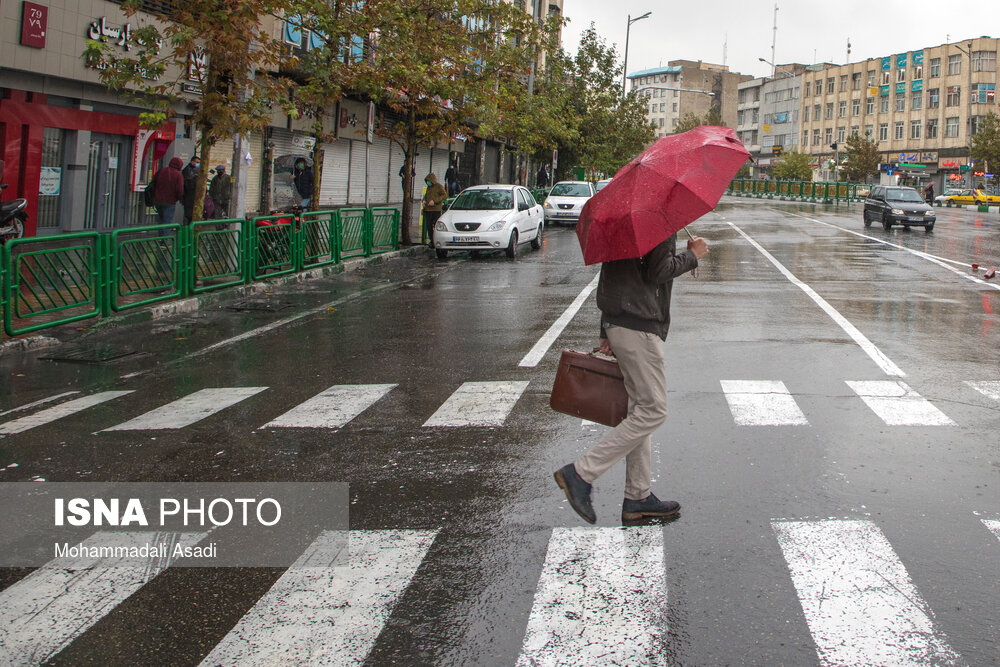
635, 293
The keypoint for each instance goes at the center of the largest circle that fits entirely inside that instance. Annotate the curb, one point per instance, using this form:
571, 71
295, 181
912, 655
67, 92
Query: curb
195, 303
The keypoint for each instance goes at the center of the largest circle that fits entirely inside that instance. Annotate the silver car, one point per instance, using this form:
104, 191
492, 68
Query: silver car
566, 199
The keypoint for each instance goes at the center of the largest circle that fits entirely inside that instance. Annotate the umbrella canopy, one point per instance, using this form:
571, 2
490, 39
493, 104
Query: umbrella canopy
674, 182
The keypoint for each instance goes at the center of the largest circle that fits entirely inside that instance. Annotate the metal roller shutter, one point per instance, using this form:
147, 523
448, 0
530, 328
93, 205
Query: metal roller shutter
490, 169
378, 172
356, 186
423, 167
336, 169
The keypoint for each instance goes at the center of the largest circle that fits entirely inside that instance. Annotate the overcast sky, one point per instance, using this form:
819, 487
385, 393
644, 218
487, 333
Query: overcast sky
808, 31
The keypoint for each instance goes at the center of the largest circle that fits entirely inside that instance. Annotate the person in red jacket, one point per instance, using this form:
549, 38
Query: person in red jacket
168, 189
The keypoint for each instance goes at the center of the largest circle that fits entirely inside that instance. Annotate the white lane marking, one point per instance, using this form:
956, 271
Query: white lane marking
327, 609
188, 410
988, 388
883, 362
993, 525
934, 259
762, 403
42, 613
600, 600
545, 342
59, 411
859, 602
897, 404
332, 408
35, 404
478, 404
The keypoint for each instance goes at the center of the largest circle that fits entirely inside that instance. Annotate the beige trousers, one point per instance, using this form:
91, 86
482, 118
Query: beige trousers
640, 357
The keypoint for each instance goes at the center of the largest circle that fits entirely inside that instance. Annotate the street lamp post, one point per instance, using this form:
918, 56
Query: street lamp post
776, 68
968, 113
628, 28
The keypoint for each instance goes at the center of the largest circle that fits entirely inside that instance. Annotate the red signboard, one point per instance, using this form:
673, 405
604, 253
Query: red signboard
34, 19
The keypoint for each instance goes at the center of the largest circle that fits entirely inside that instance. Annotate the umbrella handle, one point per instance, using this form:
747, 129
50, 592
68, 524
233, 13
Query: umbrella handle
694, 271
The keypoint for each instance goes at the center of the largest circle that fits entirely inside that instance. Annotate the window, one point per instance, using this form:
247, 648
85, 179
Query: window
886, 77
917, 100
805, 115
842, 109
935, 67
808, 88
983, 93
883, 104
975, 123
897, 130
872, 77
663, 107
869, 131
883, 131
955, 64
856, 81
918, 72
932, 128
843, 83
756, 116
818, 87
951, 126
854, 129
805, 137
831, 85
816, 137
984, 61
816, 112
829, 110
675, 107
662, 121
954, 96
900, 75
841, 133
856, 107
901, 102
870, 105
933, 98
829, 135
915, 129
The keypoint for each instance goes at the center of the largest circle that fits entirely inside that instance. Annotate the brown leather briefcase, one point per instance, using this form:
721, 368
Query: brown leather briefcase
590, 387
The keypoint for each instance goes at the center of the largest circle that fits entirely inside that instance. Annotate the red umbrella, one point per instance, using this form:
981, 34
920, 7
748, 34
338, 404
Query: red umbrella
674, 182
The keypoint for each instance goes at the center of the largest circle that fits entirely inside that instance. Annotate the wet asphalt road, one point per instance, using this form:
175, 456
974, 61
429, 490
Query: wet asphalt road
431, 326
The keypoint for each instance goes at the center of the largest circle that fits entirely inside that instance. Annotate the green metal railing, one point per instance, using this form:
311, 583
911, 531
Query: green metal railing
798, 190
53, 280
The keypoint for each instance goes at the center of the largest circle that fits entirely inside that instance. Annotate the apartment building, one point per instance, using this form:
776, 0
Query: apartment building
687, 86
921, 107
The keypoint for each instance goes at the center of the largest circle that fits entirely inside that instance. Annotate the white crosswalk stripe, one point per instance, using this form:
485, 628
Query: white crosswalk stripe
333, 408
59, 411
42, 613
842, 571
601, 598
993, 525
190, 409
762, 403
478, 404
897, 404
990, 388
330, 606
35, 404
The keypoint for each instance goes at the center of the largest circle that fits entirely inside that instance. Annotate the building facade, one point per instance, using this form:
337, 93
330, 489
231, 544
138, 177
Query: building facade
921, 107
686, 86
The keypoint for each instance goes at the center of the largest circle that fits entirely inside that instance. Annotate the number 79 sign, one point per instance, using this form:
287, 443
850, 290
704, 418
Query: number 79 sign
34, 19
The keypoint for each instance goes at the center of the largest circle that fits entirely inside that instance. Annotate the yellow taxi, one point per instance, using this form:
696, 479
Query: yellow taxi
976, 196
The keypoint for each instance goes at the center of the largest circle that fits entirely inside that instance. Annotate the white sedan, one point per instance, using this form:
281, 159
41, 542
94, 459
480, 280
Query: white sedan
565, 200
490, 217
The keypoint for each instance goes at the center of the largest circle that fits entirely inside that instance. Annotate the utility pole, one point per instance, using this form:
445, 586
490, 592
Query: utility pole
774, 39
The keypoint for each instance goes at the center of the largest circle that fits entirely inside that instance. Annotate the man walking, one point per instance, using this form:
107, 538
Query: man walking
168, 189
634, 298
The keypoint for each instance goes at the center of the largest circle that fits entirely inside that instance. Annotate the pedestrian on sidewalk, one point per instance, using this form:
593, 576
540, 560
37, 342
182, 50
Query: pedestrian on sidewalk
168, 189
451, 176
433, 204
929, 193
303, 181
190, 174
220, 191
633, 296
542, 177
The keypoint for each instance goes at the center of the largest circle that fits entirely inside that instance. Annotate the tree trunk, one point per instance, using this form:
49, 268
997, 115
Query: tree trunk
411, 149
200, 185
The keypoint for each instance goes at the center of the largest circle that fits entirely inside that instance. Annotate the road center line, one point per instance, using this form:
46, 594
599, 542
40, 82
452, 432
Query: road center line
934, 259
880, 359
536, 353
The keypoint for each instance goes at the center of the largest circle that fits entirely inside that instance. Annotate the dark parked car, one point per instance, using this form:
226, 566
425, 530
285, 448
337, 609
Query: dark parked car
892, 205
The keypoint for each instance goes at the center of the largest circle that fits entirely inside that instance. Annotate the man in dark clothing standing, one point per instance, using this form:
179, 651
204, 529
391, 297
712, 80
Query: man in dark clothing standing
451, 177
542, 177
220, 191
168, 189
303, 181
190, 174
634, 298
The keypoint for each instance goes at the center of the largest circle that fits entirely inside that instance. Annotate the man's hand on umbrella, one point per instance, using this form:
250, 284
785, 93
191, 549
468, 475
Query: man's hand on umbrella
698, 246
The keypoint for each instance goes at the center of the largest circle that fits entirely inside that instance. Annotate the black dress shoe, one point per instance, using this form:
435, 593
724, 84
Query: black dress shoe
577, 492
650, 507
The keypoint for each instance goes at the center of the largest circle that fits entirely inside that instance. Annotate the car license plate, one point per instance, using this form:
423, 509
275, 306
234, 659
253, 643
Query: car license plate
563, 213
456, 239
916, 219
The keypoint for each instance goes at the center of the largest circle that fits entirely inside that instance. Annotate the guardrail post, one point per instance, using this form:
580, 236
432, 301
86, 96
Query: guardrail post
369, 231
105, 258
